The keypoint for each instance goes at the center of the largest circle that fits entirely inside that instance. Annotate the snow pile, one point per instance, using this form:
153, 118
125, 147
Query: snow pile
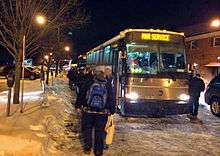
202, 101
28, 96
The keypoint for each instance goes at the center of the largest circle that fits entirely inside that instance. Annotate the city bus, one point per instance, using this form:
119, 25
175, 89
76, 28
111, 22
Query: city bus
149, 71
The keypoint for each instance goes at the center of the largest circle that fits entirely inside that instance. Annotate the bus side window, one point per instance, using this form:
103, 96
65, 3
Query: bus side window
114, 60
111, 57
101, 56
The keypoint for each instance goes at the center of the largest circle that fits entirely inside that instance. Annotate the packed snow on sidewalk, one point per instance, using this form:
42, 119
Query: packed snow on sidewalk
46, 127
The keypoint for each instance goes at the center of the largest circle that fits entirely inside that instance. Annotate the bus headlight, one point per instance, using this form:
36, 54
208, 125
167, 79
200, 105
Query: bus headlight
132, 96
184, 97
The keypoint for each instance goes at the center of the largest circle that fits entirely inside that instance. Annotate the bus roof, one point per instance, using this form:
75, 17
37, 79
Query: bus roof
123, 33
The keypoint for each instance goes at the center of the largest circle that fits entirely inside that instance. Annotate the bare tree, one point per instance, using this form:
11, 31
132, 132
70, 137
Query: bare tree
17, 20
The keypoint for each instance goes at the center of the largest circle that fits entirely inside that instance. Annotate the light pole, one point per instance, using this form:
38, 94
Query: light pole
47, 58
50, 64
40, 20
22, 77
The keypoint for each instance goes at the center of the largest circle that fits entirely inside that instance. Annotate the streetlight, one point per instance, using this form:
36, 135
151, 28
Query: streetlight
46, 57
215, 23
67, 48
40, 19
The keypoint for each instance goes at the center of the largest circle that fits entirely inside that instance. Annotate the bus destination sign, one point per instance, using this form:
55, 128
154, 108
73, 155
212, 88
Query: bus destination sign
155, 37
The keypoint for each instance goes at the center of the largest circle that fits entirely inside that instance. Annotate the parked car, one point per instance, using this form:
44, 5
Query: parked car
212, 95
29, 72
5, 69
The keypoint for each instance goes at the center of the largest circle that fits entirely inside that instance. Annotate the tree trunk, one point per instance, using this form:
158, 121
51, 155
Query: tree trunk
18, 67
57, 68
48, 72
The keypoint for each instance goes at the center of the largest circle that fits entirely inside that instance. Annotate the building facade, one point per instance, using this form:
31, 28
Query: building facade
203, 50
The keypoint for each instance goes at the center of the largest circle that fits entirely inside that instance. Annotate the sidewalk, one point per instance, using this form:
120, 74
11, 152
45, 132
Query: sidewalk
40, 130
32, 93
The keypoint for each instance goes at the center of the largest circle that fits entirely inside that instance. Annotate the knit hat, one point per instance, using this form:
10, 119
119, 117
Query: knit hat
100, 69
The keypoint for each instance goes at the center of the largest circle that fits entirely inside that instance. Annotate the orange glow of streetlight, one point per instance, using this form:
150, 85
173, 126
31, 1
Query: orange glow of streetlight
67, 48
215, 23
40, 19
46, 57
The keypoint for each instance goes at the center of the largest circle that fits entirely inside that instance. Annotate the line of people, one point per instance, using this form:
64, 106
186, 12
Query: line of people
95, 104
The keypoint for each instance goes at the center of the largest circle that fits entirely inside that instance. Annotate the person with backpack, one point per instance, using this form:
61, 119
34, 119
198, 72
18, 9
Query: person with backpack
196, 86
109, 78
95, 102
71, 76
80, 79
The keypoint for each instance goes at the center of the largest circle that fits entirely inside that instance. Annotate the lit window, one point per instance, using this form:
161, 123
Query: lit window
216, 41
97, 56
106, 54
194, 45
92, 57
100, 56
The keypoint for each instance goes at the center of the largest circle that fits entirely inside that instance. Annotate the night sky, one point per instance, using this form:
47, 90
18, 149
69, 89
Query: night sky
109, 17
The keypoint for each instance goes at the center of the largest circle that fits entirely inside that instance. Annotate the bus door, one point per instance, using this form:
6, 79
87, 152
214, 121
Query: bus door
115, 71
120, 77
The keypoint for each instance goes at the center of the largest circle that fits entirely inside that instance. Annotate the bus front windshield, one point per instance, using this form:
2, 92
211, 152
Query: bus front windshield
142, 59
172, 58
151, 59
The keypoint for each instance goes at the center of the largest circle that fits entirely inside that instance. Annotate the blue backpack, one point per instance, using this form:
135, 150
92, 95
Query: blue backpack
97, 97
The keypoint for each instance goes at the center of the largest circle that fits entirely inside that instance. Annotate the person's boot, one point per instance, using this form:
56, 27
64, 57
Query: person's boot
106, 147
194, 117
190, 116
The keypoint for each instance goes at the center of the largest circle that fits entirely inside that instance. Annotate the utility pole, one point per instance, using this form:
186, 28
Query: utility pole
22, 82
57, 60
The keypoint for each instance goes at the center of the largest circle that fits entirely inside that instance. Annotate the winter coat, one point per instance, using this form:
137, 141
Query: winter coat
80, 79
71, 74
81, 100
196, 86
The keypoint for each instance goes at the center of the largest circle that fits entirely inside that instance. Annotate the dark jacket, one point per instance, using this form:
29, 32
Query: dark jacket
81, 101
80, 79
196, 86
72, 75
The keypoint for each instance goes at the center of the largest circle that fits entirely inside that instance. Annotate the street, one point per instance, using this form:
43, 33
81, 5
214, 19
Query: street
173, 135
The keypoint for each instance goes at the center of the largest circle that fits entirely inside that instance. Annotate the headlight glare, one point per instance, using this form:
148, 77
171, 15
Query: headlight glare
132, 96
184, 97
